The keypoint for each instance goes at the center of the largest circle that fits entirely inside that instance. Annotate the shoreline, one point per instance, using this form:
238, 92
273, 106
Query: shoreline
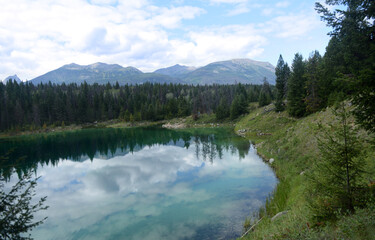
176, 124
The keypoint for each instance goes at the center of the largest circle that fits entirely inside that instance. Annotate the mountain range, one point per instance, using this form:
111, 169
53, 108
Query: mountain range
223, 72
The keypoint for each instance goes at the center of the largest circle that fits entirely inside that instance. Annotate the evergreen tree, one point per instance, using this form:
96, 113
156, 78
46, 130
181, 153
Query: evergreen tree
364, 99
281, 81
337, 180
296, 88
238, 107
29, 106
331, 65
312, 74
287, 73
222, 110
235, 108
353, 34
265, 95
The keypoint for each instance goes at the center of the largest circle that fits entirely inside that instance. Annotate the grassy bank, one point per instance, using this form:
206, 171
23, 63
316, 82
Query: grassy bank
292, 145
51, 129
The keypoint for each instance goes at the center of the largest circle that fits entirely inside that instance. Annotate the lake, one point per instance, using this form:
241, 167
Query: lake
142, 183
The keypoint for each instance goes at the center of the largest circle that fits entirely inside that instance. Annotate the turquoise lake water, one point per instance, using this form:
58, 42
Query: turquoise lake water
143, 183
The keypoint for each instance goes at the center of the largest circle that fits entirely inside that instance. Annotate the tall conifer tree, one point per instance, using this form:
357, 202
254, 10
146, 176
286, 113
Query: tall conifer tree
296, 88
280, 84
354, 35
313, 100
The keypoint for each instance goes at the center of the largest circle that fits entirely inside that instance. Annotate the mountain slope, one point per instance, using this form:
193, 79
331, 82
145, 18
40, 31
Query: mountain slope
232, 71
14, 78
97, 72
176, 70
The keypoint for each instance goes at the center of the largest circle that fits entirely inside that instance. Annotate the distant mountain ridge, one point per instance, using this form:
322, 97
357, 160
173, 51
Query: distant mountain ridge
101, 73
176, 70
14, 78
223, 72
233, 71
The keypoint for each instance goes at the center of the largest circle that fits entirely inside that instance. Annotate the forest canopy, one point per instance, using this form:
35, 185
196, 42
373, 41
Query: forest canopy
26, 105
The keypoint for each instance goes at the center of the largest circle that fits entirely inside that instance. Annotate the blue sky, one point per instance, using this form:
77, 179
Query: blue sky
37, 36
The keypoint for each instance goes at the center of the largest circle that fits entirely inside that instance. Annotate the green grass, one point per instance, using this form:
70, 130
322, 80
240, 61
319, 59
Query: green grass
292, 143
203, 121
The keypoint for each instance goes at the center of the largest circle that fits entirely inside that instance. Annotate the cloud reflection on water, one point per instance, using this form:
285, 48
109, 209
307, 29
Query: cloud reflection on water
159, 192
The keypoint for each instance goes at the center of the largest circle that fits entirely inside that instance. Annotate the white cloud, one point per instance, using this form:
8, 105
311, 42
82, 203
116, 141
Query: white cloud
240, 6
275, 9
292, 26
283, 4
235, 41
229, 1
171, 17
267, 11
52, 33
39, 36
104, 2
239, 9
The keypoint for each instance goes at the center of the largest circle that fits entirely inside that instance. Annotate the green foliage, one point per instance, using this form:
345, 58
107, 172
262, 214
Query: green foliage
238, 107
282, 72
222, 111
296, 88
364, 98
17, 210
360, 225
350, 55
292, 143
277, 201
25, 105
337, 180
265, 95
330, 66
312, 74
337, 183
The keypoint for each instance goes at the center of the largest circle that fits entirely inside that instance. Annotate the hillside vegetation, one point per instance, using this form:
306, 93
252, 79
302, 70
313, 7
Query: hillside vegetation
292, 144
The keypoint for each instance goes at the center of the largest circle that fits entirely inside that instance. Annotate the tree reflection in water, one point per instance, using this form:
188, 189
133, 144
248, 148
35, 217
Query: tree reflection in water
106, 143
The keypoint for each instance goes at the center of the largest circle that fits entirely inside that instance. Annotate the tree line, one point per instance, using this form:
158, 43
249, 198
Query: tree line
27, 106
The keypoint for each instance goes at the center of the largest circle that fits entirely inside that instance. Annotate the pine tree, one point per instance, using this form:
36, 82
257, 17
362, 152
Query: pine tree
235, 109
312, 74
364, 99
296, 88
353, 34
238, 106
265, 95
280, 72
287, 73
337, 180
222, 110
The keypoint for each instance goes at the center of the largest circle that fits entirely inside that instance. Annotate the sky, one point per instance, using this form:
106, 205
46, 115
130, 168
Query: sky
37, 36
